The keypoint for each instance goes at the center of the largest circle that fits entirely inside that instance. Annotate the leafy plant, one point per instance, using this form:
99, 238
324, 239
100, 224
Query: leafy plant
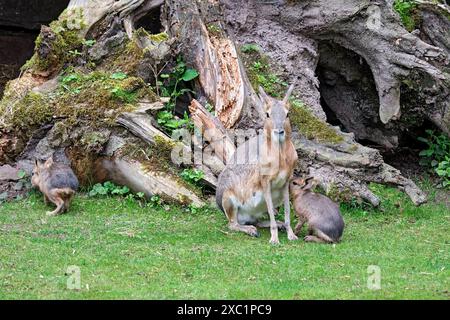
170, 122
89, 43
73, 77
192, 208
437, 154
174, 84
250, 47
443, 171
75, 53
118, 76
108, 188
155, 201
192, 175
406, 10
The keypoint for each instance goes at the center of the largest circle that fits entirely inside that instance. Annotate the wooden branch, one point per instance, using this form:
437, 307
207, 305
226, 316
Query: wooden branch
212, 130
130, 173
140, 124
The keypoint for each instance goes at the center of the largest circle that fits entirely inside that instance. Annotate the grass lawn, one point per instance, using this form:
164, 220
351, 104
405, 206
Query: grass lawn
125, 251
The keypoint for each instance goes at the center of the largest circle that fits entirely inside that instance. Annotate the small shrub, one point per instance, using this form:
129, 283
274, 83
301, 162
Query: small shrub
170, 122
406, 10
108, 188
174, 85
437, 155
192, 175
443, 171
250, 47
155, 201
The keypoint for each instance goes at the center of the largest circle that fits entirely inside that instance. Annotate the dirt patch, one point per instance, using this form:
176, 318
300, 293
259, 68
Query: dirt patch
406, 160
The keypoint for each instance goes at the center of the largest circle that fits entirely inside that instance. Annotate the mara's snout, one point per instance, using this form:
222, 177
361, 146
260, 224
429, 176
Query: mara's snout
278, 135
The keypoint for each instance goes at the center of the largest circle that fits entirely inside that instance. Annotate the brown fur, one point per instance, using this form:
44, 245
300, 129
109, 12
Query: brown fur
267, 173
57, 182
325, 223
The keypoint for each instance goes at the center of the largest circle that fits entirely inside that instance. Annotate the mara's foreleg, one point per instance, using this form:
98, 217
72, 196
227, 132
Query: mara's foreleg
231, 212
273, 223
287, 214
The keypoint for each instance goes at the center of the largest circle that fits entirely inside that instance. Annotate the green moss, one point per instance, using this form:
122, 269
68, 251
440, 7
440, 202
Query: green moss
215, 30
310, 126
62, 48
338, 195
157, 159
79, 97
32, 110
126, 58
159, 37
407, 10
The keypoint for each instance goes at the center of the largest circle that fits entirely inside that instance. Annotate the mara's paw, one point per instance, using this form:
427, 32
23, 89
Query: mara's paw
51, 214
253, 232
274, 241
310, 239
292, 236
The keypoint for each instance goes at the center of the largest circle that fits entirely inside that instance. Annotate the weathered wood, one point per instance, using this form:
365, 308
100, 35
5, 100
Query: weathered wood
212, 130
140, 124
131, 174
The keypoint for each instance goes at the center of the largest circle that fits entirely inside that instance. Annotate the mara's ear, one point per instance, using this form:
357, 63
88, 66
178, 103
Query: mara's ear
264, 98
288, 94
298, 182
49, 162
309, 183
36, 163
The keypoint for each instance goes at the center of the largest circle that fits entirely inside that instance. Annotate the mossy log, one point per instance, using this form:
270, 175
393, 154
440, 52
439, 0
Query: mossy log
95, 42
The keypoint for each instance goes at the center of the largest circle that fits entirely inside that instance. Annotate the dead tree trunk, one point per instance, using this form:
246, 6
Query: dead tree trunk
114, 134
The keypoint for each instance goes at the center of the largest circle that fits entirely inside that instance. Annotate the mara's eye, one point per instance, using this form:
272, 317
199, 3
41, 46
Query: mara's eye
267, 114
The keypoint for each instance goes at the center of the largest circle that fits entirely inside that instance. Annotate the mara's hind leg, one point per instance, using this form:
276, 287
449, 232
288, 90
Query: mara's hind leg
67, 202
231, 213
315, 235
59, 207
323, 236
46, 200
58, 201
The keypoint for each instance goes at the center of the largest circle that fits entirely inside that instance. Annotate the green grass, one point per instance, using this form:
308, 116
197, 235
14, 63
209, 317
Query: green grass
125, 251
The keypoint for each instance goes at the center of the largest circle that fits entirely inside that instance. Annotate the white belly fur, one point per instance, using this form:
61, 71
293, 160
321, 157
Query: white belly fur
255, 208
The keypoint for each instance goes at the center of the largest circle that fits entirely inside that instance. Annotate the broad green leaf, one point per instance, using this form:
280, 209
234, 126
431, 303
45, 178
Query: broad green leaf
118, 76
21, 174
189, 75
